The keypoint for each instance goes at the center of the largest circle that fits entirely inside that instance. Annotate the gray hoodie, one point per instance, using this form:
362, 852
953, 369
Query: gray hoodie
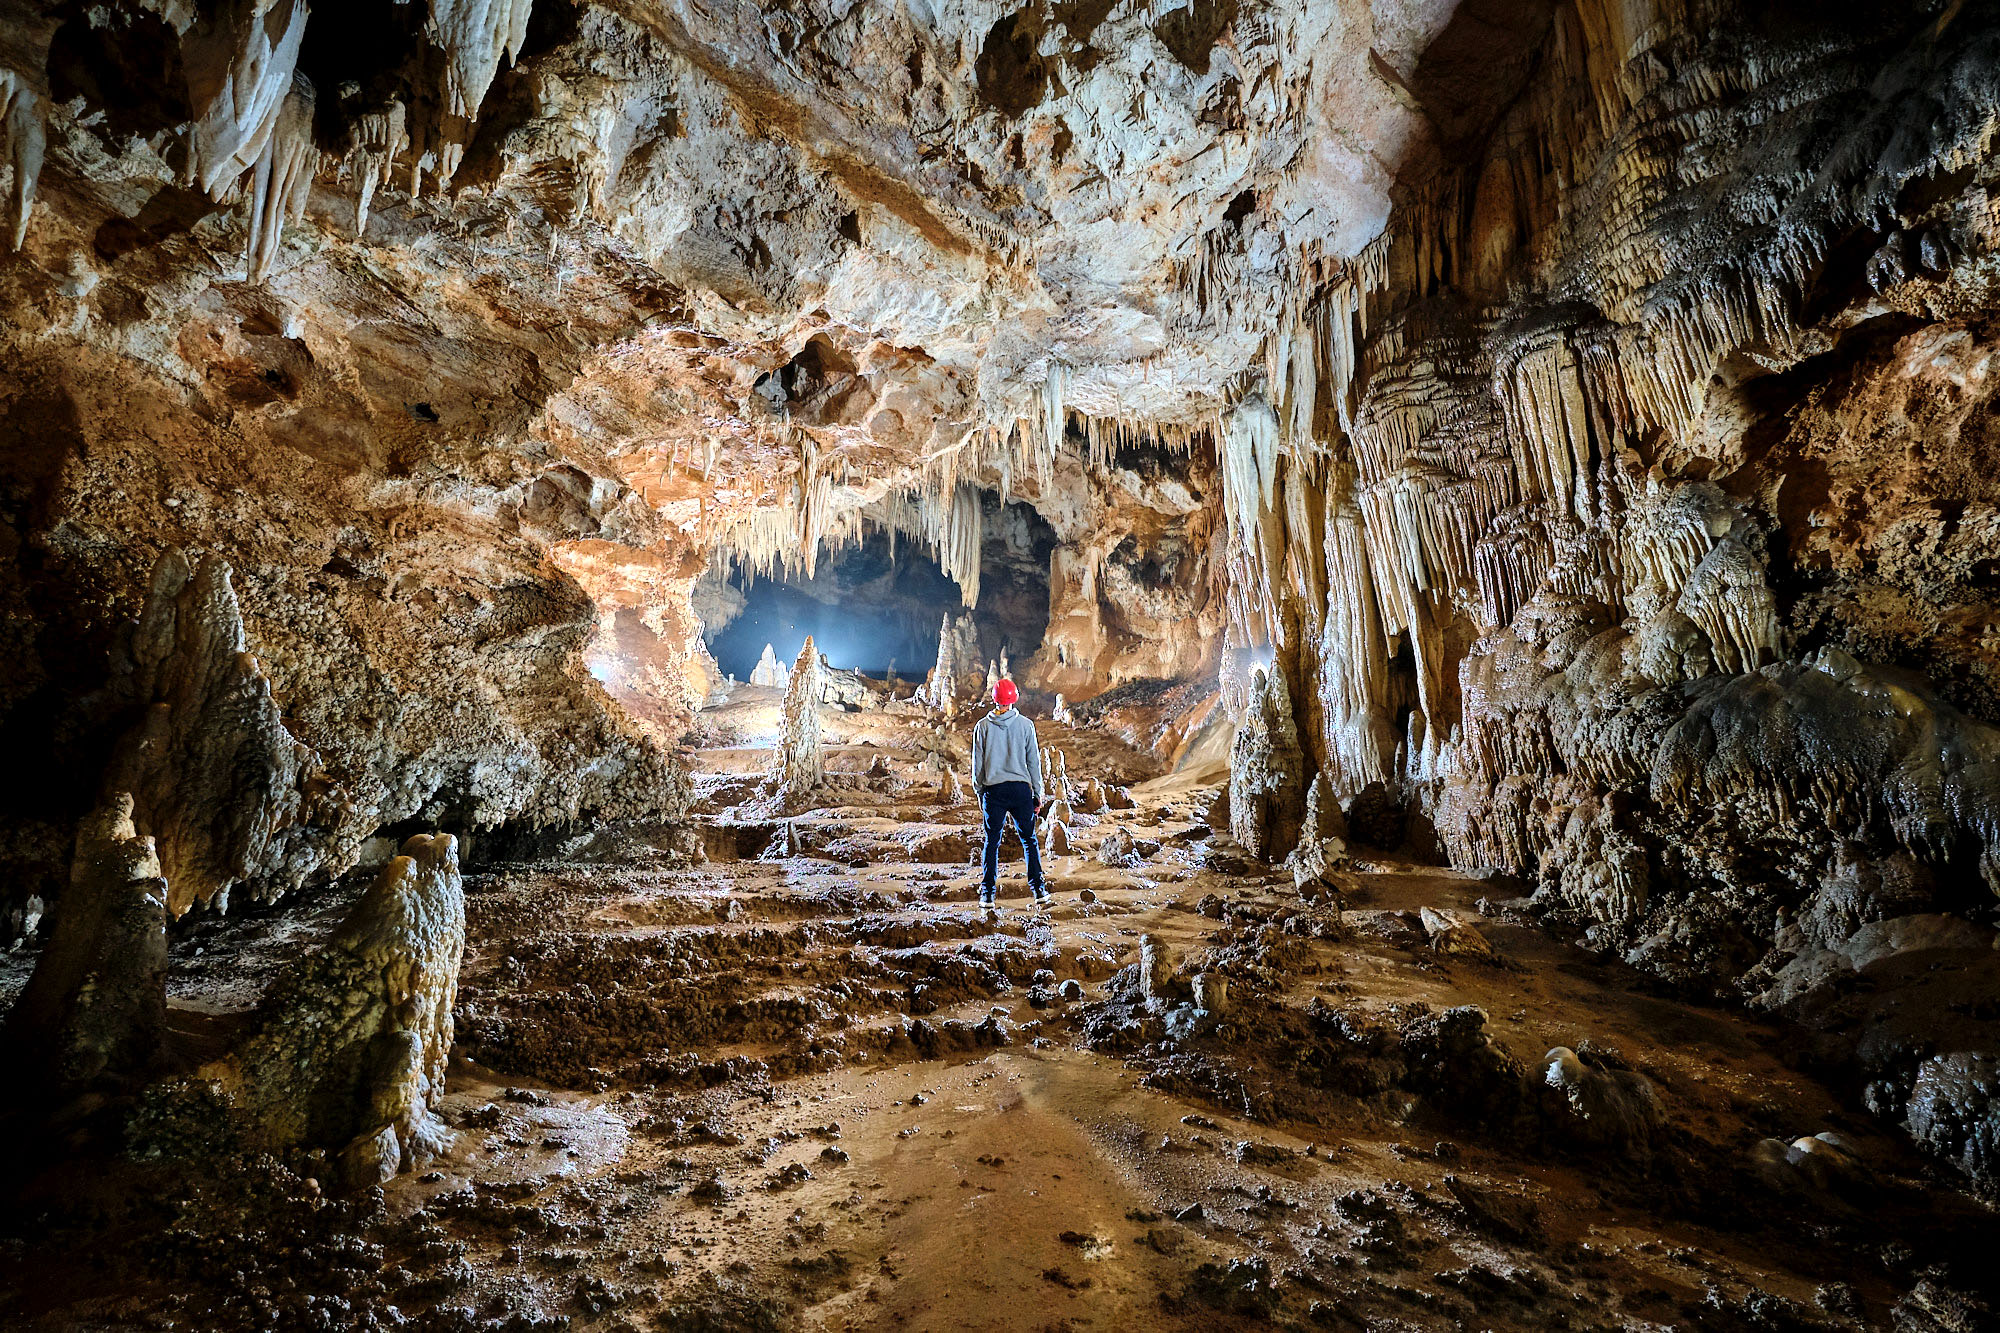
1004, 749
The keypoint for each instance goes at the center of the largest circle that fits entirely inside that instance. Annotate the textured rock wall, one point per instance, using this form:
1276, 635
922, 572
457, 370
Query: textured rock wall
1638, 518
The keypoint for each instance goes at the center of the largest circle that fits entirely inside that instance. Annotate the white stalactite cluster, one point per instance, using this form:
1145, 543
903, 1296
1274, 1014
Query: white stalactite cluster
282, 177
241, 62
475, 35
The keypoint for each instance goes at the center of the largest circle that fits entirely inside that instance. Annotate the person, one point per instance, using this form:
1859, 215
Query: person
1007, 779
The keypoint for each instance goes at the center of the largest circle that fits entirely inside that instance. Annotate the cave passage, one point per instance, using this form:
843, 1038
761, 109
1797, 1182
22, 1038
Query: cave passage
876, 606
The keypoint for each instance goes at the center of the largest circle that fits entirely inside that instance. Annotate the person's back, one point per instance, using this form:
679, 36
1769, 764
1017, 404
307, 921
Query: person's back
1007, 778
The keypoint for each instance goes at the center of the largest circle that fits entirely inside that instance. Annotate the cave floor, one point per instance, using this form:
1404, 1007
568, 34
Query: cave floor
820, 1090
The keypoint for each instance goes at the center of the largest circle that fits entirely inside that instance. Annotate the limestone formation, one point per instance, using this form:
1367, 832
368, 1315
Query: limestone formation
94, 1013
1603, 1106
1060, 714
1267, 783
949, 791
1055, 838
213, 775
351, 1044
769, 673
1155, 971
801, 766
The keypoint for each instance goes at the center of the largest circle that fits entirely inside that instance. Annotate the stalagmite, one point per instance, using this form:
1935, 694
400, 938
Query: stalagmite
949, 791
769, 673
215, 778
801, 767
351, 1044
1060, 714
94, 1013
1267, 783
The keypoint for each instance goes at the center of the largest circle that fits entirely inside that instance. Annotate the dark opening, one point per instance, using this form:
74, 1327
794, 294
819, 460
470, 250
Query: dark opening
870, 611
1013, 77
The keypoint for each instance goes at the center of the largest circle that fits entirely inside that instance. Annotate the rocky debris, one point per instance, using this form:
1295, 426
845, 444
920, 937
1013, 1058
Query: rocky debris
801, 766
1117, 848
1508, 1215
94, 1013
215, 778
1602, 1104
1267, 786
1954, 1111
770, 673
350, 1045
1449, 935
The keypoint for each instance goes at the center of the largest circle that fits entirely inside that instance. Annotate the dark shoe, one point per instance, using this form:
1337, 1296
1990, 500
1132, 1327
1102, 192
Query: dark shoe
987, 902
1041, 895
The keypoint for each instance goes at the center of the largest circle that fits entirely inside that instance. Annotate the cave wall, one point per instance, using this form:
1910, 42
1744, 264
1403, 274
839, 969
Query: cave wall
1638, 513
358, 438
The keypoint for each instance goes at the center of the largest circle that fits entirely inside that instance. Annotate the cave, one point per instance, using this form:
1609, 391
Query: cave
1082, 665
876, 606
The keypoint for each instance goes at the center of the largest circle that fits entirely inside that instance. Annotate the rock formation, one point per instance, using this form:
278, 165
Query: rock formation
769, 673
801, 768
1267, 783
211, 773
94, 1013
351, 1044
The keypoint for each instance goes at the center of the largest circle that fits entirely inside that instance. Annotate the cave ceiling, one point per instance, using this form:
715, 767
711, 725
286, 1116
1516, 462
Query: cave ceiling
716, 253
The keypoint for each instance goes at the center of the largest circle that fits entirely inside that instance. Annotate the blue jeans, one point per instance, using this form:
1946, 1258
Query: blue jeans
1001, 801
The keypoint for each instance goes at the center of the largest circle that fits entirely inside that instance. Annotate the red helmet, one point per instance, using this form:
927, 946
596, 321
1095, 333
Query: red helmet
1005, 694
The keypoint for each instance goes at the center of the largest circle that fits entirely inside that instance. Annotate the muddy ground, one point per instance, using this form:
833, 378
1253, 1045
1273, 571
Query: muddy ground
799, 1081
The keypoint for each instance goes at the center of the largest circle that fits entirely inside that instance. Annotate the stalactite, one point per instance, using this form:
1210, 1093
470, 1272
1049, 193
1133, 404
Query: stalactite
1249, 458
379, 138
24, 122
282, 178
474, 35
239, 63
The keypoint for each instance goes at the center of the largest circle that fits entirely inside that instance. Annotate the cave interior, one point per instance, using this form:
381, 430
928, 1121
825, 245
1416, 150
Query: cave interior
514, 513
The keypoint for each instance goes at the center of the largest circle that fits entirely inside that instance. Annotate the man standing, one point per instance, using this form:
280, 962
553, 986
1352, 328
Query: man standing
1007, 778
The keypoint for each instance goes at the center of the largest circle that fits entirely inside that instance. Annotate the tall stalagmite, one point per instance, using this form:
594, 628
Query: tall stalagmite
801, 768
